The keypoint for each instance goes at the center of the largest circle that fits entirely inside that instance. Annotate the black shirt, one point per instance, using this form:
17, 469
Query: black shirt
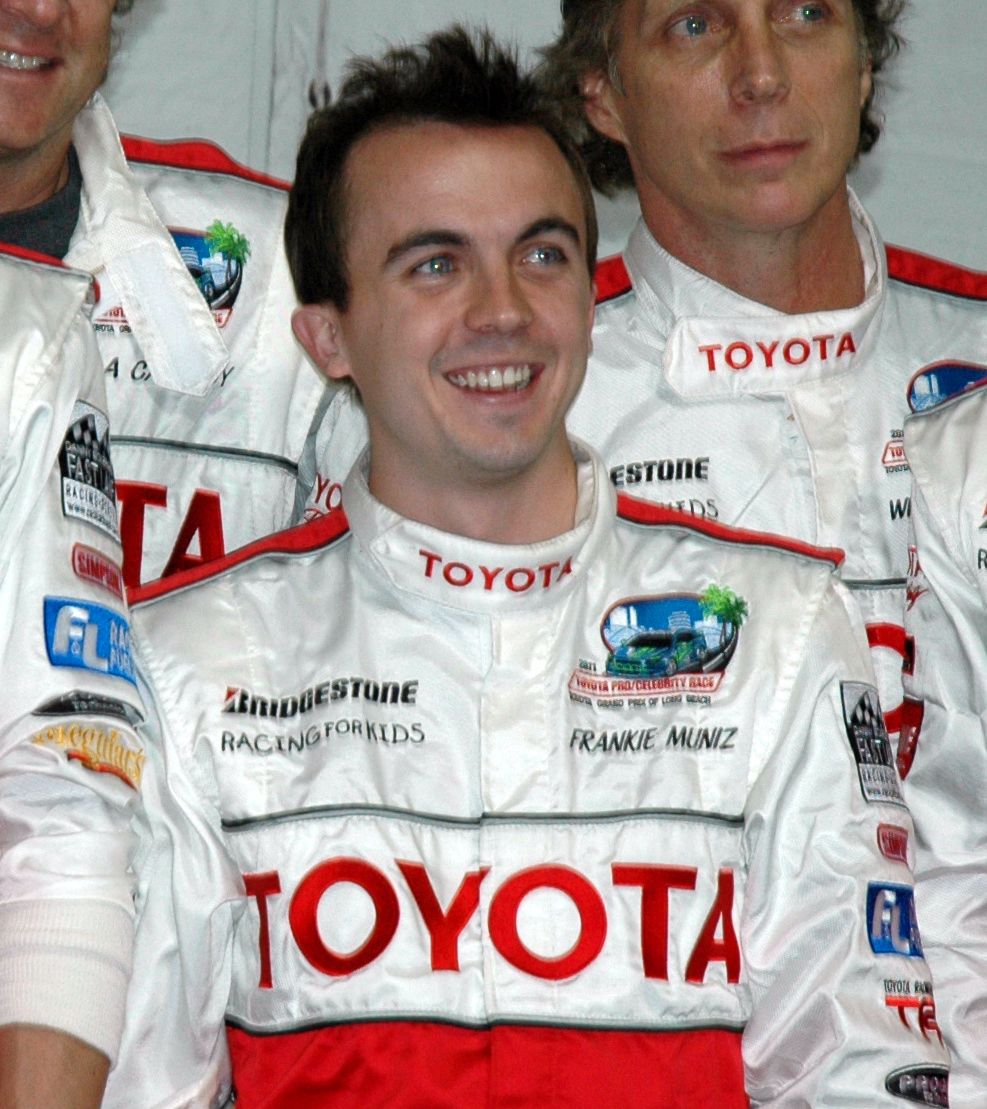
48, 226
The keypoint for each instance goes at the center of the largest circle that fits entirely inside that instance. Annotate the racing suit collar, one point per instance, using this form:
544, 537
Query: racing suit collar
478, 576
121, 236
720, 343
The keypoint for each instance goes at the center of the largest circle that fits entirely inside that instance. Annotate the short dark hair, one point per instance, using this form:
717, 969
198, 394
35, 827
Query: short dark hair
588, 44
454, 76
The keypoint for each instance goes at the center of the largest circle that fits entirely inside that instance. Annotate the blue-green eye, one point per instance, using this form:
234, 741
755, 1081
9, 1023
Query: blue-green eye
810, 13
437, 266
691, 26
546, 255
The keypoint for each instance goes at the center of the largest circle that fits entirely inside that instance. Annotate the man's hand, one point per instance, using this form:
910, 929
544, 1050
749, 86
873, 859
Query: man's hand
41, 1068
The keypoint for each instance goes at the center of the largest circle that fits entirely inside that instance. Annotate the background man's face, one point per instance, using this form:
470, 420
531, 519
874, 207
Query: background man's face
467, 329
739, 115
53, 56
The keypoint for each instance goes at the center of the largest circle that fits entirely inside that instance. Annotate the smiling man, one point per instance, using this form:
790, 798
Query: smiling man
489, 789
210, 401
757, 348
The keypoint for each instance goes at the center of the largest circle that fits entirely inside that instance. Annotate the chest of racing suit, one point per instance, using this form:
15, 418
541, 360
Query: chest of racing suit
700, 399
463, 824
70, 760
211, 401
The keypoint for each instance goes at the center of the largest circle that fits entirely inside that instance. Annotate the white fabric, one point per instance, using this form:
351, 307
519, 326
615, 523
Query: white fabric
503, 742
212, 410
946, 784
65, 887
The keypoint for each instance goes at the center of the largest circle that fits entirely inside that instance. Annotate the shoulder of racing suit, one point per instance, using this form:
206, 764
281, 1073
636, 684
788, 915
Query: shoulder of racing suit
303, 539
194, 154
910, 267
656, 515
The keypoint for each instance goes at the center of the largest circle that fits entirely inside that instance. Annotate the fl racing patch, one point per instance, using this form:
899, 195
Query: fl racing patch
870, 744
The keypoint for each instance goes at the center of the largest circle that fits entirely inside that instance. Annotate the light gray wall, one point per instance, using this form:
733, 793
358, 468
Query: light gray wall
239, 71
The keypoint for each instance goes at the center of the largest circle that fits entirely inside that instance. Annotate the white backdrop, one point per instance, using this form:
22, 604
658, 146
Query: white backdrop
238, 72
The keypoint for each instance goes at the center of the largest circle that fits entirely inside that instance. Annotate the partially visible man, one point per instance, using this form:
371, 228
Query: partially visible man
943, 757
490, 789
211, 402
70, 761
758, 349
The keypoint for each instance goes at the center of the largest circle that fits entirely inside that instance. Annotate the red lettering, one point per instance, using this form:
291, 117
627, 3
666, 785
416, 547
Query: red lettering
261, 887
892, 637
303, 915
490, 576
546, 572
430, 561
526, 576
329, 493
745, 352
909, 733
655, 883
823, 341
769, 352
444, 928
592, 914
457, 573
846, 345
927, 1017
133, 498
709, 352
708, 948
205, 519
788, 351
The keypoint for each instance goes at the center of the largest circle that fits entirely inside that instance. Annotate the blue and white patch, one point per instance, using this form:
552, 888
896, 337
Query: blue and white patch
88, 487
87, 636
891, 921
868, 735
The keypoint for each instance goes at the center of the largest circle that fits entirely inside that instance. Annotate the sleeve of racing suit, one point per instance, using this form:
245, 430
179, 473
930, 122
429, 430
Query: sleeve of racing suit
842, 1012
70, 761
943, 757
189, 896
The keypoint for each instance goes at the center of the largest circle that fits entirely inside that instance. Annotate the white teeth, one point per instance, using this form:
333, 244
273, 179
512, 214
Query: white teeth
12, 60
495, 380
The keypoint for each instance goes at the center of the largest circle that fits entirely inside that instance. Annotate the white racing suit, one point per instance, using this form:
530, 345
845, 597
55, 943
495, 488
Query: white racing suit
70, 760
705, 401
608, 819
211, 400
943, 757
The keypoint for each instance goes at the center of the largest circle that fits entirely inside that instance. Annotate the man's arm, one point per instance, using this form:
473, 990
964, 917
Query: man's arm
41, 1068
842, 1006
944, 751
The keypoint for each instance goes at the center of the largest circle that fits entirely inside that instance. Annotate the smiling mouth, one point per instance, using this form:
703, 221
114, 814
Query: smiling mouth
10, 59
496, 379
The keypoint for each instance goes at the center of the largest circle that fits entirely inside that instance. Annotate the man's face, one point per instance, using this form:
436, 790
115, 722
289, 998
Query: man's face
53, 56
470, 307
738, 115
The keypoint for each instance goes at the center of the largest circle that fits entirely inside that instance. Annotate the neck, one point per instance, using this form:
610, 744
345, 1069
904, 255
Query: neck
28, 179
512, 509
813, 267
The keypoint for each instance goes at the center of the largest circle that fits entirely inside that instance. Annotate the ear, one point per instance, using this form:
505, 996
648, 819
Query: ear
866, 81
600, 104
316, 327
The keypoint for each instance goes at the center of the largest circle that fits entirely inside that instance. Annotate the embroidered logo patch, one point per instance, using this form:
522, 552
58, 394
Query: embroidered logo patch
870, 744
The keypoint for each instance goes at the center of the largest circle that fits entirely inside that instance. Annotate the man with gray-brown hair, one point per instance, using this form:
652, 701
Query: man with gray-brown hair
757, 348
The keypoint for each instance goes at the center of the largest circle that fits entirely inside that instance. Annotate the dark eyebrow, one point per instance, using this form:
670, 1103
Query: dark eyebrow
432, 237
548, 225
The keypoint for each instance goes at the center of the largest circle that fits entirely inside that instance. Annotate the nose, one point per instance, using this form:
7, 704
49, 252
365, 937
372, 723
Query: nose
498, 302
37, 13
760, 68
